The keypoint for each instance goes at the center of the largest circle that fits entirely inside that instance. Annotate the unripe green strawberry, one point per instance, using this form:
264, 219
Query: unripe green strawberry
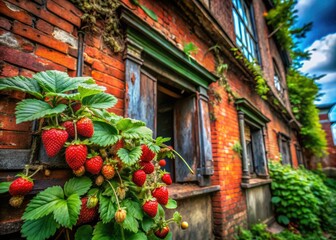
86, 214
85, 127
147, 154
92, 201
94, 165
139, 177
108, 171
150, 207
75, 155
70, 128
79, 172
99, 180
53, 140
162, 232
21, 186
166, 179
16, 201
161, 195
148, 167
120, 215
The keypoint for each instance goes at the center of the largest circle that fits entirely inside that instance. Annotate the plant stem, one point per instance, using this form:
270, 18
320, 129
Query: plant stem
115, 194
75, 127
122, 233
185, 162
67, 234
37, 170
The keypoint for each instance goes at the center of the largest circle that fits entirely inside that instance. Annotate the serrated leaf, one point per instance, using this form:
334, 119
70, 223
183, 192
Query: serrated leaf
69, 96
106, 208
177, 218
4, 187
172, 204
149, 12
104, 134
128, 123
154, 147
137, 133
78, 185
105, 232
67, 211
86, 90
22, 84
84, 233
43, 203
31, 109
57, 81
39, 229
276, 200
100, 100
129, 157
131, 223
161, 212
147, 223
134, 208
138, 236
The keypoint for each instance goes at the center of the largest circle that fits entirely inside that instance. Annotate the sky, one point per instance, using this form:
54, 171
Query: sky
321, 41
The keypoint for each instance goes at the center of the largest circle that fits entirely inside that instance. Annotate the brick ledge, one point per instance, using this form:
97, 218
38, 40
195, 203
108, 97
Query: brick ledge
256, 182
181, 191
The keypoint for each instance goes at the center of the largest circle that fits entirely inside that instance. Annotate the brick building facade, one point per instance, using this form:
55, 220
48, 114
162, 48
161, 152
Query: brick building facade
155, 81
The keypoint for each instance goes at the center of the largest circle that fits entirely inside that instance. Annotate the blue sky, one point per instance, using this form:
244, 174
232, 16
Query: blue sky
321, 41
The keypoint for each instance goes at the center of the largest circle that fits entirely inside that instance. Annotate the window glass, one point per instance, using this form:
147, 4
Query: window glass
333, 131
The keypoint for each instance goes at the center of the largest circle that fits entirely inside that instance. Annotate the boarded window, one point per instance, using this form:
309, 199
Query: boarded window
284, 147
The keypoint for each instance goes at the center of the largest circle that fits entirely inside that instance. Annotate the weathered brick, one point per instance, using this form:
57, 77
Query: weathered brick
27, 60
39, 37
44, 14
5, 23
14, 12
60, 11
44, 26
8, 70
67, 5
56, 57
14, 139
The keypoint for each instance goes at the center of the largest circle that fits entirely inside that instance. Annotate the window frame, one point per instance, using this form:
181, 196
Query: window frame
333, 132
284, 139
278, 82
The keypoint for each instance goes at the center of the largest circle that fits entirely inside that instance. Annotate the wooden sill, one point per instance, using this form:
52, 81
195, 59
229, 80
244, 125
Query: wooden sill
256, 182
181, 191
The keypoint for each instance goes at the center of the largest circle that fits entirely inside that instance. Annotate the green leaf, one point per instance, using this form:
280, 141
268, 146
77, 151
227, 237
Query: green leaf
4, 187
78, 185
276, 200
172, 204
149, 12
128, 123
86, 90
84, 233
44, 203
177, 218
57, 81
67, 211
134, 208
39, 229
129, 157
138, 133
189, 48
105, 232
22, 84
138, 236
100, 100
31, 109
104, 134
147, 223
283, 219
106, 208
131, 223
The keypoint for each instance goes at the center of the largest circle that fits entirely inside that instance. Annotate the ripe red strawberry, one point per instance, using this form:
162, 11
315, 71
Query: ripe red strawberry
70, 128
85, 127
76, 106
117, 146
162, 232
80, 171
150, 207
139, 177
147, 154
162, 163
21, 186
94, 165
161, 195
148, 167
86, 214
53, 140
108, 171
166, 179
75, 155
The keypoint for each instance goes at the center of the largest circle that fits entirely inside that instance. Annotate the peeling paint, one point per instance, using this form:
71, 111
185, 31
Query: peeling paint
65, 37
9, 40
12, 7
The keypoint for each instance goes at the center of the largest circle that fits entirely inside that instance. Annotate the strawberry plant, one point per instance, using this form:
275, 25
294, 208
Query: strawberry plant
118, 190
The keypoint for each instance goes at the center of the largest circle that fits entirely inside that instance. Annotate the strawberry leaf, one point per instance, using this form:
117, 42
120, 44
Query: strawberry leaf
106, 208
78, 185
171, 204
100, 100
44, 203
134, 208
177, 218
137, 133
147, 223
39, 229
104, 134
128, 123
137, 236
31, 109
86, 90
4, 187
130, 223
22, 84
67, 211
106, 232
84, 233
129, 157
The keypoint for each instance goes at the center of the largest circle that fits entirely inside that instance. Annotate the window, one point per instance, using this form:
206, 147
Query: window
252, 124
244, 29
284, 147
299, 155
278, 82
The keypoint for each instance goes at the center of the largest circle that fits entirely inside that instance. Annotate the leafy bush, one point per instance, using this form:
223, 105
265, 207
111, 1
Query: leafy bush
300, 197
